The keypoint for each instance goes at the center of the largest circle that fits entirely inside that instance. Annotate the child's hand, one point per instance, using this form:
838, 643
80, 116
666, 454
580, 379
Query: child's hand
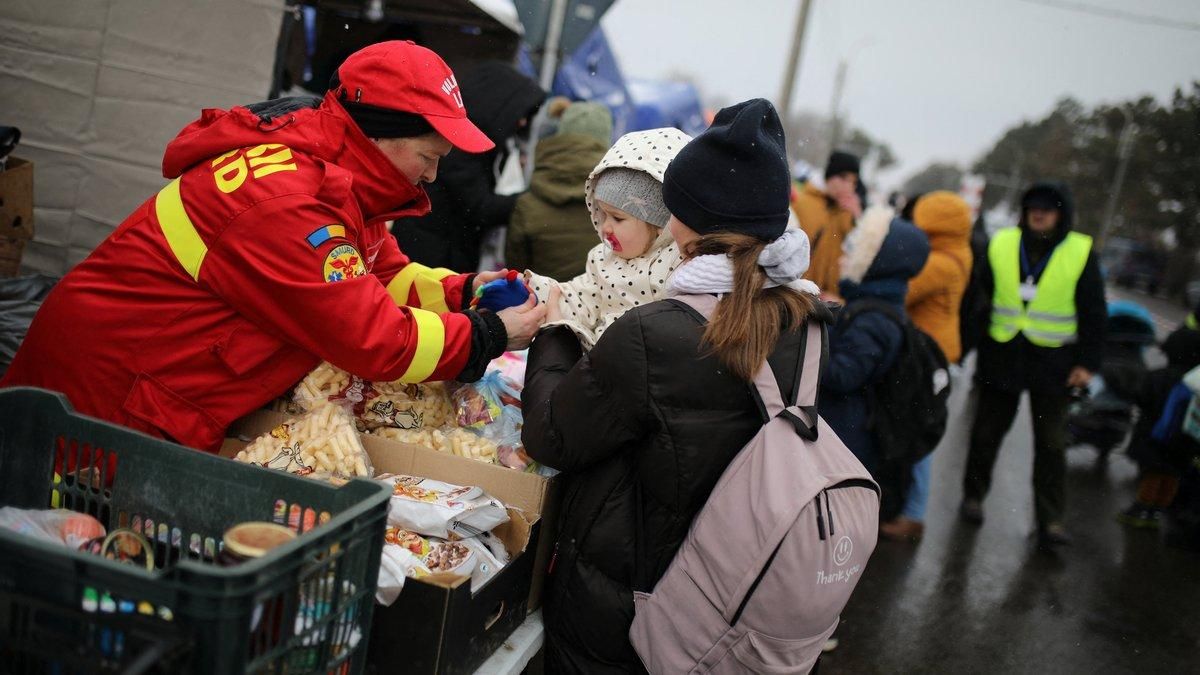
552, 311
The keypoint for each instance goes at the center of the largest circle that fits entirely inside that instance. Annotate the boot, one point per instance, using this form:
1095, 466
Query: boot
902, 529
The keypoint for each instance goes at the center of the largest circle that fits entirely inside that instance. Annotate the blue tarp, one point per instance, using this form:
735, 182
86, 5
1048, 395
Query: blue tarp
591, 73
667, 104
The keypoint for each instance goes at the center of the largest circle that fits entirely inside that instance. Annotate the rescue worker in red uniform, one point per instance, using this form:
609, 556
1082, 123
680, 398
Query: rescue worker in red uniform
269, 252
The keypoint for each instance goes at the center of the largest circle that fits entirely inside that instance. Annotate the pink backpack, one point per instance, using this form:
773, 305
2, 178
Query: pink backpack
770, 561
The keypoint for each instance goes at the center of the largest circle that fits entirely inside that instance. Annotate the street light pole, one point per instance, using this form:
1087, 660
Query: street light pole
1124, 151
793, 63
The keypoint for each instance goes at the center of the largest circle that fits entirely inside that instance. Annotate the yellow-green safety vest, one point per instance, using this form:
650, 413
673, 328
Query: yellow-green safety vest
1049, 319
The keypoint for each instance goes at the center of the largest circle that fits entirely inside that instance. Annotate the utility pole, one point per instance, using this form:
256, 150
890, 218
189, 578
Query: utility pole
1124, 150
554, 31
793, 63
835, 117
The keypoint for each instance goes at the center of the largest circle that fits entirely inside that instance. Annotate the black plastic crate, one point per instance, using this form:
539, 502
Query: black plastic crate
304, 607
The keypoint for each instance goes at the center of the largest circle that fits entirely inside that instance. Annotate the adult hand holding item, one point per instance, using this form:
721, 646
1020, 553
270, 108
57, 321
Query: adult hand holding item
523, 321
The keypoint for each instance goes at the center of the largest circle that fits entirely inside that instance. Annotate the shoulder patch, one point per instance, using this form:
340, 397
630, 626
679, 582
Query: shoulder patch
325, 233
343, 262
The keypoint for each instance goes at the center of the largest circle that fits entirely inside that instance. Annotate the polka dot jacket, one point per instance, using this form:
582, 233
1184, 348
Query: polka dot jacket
610, 285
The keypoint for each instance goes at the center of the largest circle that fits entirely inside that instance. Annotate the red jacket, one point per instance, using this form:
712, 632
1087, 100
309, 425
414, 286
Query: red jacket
268, 253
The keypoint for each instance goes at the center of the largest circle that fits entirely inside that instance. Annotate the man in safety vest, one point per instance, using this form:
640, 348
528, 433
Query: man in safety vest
268, 252
1045, 337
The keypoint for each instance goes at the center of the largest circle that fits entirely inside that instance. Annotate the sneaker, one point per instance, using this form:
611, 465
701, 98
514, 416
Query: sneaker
1053, 535
971, 511
1141, 516
902, 529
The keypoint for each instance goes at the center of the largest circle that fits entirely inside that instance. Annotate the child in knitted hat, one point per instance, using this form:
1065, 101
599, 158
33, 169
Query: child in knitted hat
631, 265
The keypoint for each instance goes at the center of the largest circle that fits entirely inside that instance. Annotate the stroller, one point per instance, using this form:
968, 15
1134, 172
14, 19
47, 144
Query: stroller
1105, 417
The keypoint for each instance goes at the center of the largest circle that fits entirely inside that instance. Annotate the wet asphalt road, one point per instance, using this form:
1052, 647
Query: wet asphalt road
986, 600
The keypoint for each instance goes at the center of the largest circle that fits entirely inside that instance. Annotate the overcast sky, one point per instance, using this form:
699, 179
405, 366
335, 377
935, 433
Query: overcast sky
936, 79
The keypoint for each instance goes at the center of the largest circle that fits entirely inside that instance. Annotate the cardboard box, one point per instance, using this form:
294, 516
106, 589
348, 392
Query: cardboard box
529, 492
449, 628
16, 213
445, 626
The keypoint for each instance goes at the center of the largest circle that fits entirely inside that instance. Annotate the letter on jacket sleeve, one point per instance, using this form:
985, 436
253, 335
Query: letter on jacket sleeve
278, 281
583, 410
414, 285
859, 354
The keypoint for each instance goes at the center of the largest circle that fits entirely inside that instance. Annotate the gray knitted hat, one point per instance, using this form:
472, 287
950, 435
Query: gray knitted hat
634, 192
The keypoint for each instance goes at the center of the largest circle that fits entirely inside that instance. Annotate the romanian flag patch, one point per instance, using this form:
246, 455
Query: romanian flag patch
324, 234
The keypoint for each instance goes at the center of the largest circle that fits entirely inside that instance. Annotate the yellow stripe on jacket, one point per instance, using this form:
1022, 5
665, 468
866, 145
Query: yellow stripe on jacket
431, 294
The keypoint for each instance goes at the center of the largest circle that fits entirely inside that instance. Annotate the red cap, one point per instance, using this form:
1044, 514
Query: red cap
401, 75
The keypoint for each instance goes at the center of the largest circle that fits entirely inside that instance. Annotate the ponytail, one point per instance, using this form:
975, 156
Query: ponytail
748, 321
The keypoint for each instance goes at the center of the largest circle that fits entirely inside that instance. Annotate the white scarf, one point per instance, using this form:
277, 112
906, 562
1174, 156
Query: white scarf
784, 260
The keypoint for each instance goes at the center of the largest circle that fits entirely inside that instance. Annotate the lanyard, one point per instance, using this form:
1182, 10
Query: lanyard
1035, 274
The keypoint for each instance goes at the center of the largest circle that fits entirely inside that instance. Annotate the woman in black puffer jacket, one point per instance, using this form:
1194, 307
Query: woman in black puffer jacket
644, 425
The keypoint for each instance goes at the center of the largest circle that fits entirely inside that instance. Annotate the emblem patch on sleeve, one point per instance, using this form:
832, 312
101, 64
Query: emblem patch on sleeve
343, 262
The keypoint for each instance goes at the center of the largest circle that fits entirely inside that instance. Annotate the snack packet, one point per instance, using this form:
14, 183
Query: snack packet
436, 509
452, 440
407, 554
321, 444
376, 404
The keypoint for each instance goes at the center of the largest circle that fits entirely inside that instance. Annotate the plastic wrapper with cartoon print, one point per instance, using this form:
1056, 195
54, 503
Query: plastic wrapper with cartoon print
436, 509
376, 404
321, 444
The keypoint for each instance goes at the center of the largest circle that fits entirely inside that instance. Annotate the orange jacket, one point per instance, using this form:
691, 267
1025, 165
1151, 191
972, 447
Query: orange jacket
826, 225
267, 253
935, 294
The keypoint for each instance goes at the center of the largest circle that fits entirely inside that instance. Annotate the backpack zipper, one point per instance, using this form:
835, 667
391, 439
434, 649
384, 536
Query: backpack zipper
820, 519
853, 482
828, 511
757, 580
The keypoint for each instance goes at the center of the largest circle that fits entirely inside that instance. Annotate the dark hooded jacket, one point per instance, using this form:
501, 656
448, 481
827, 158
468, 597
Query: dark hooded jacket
861, 351
644, 417
464, 200
1018, 364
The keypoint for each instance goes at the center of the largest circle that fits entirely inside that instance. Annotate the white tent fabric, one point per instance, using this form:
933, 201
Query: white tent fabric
98, 88
503, 11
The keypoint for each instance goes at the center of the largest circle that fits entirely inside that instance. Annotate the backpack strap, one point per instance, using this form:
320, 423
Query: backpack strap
871, 305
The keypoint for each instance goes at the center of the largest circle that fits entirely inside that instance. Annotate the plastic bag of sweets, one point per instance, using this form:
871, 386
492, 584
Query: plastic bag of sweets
60, 526
479, 404
451, 440
436, 509
322, 444
376, 404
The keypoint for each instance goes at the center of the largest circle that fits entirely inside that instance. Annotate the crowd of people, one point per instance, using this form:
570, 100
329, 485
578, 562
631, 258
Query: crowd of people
234, 274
